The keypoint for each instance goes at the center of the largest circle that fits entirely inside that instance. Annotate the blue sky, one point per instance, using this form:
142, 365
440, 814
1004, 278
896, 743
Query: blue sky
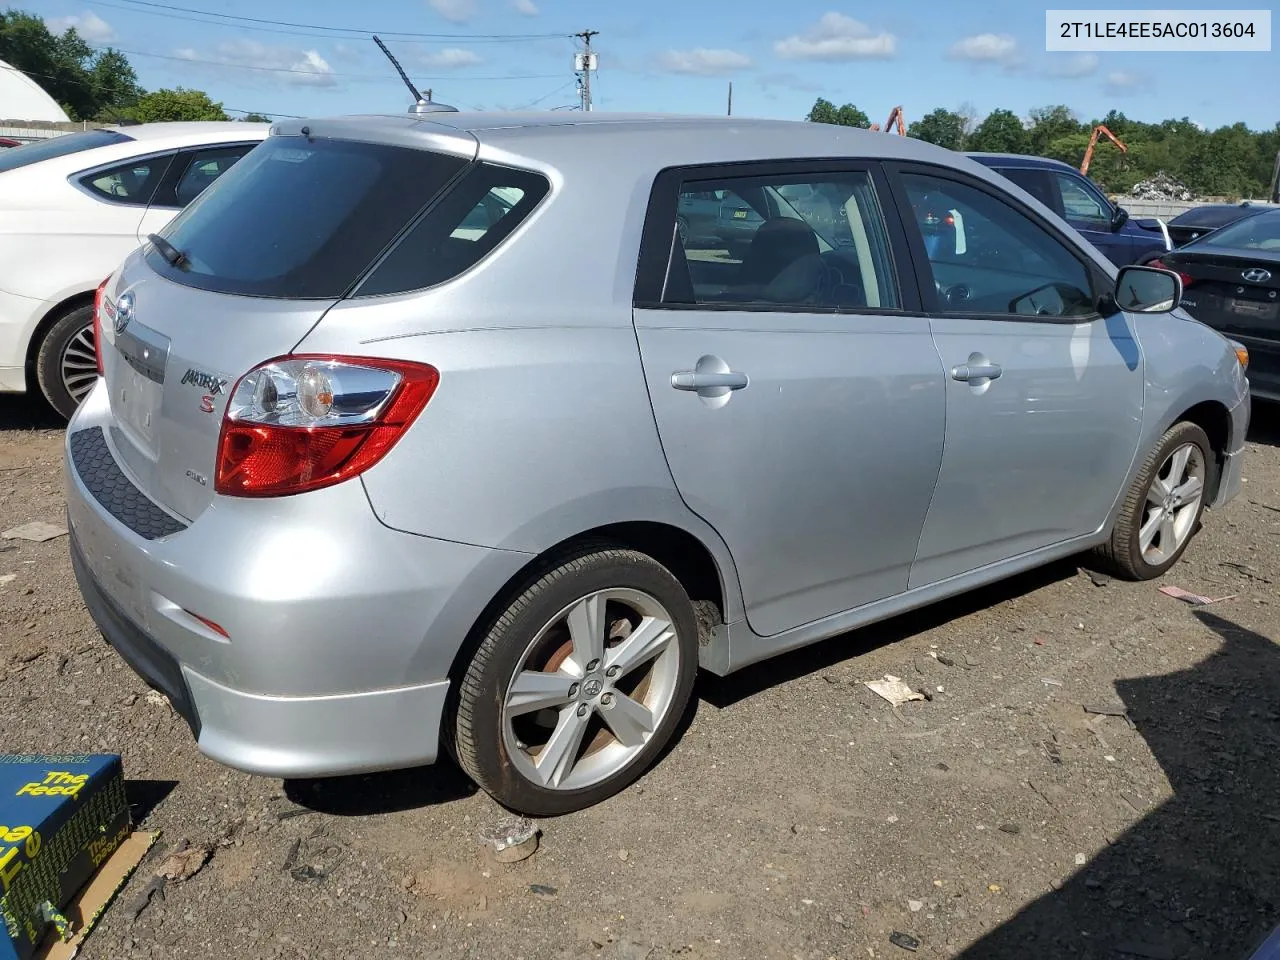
663, 55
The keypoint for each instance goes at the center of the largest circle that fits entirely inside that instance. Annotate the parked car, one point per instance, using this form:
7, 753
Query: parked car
71, 208
1198, 221
6, 142
1077, 199
355, 485
1231, 281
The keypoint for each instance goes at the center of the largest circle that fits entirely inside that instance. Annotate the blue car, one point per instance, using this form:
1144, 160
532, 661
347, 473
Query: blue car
1077, 199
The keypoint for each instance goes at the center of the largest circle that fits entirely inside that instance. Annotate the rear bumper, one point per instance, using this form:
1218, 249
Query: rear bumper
341, 631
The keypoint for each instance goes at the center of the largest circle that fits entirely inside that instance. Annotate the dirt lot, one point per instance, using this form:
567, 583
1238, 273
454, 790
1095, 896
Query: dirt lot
798, 817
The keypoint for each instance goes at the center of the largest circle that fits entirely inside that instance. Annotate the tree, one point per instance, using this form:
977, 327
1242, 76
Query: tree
1000, 132
943, 127
84, 82
255, 118
1048, 124
177, 104
824, 111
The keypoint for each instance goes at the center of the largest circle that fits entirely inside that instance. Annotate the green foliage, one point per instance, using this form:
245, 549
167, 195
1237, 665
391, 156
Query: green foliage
824, 111
1231, 161
943, 127
85, 82
177, 104
255, 118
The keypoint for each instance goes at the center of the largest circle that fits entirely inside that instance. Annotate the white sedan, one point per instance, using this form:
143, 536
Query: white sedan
71, 209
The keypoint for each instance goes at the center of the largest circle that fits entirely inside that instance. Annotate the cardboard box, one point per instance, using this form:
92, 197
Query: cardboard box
61, 818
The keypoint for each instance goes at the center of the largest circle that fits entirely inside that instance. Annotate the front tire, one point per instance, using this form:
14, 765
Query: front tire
66, 363
1162, 509
579, 684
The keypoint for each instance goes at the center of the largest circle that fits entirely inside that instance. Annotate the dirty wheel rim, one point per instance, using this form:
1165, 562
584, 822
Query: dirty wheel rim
591, 689
1172, 504
79, 364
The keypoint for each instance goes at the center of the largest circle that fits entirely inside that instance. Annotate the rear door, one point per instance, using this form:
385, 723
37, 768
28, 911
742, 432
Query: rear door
187, 176
797, 393
262, 261
1043, 396
123, 190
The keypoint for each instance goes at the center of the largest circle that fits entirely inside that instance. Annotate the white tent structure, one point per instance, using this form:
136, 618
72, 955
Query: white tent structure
21, 98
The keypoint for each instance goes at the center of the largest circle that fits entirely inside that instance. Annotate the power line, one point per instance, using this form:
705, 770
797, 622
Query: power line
168, 9
317, 73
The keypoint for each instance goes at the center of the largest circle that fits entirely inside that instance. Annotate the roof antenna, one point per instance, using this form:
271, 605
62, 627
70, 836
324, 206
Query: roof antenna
421, 104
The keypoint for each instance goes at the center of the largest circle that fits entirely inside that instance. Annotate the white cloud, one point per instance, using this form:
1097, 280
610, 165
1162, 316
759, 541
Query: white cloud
703, 62
304, 68
450, 58
90, 26
835, 38
1120, 82
455, 11
526, 8
1073, 67
986, 48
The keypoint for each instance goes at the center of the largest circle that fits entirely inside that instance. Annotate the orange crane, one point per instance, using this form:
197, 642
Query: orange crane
1093, 142
894, 114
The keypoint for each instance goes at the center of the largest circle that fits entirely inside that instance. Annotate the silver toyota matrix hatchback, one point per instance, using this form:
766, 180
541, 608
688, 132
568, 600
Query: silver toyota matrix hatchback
424, 431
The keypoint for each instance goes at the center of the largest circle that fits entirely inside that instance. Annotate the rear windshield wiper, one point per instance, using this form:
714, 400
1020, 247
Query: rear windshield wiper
172, 254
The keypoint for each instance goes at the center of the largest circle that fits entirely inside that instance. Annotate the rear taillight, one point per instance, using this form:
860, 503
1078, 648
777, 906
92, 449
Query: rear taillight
299, 423
97, 321
1187, 279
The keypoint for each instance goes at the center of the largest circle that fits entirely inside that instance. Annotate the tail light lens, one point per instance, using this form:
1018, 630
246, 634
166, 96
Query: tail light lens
299, 423
97, 321
1187, 279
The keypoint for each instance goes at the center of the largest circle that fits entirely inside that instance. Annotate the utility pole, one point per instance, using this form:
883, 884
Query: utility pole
730, 113
587, 60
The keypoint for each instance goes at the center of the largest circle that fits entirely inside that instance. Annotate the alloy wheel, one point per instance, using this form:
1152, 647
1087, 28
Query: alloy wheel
1172, 504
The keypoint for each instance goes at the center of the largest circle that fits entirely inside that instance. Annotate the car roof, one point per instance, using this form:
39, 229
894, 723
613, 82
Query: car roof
1020, 160
644, 142
214, 129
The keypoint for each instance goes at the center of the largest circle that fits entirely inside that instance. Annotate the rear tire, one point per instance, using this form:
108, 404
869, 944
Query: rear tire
66, 365
579, 684
1162, 509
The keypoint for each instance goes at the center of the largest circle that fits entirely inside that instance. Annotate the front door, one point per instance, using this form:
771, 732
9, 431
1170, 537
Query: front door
1086, 209
1044, 396
796, 390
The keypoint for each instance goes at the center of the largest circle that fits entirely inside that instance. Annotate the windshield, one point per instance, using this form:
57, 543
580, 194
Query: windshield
62, 146
301, 218
1252, 233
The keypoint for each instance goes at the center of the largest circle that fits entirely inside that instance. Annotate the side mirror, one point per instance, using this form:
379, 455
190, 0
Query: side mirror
1147, 290
1119, 217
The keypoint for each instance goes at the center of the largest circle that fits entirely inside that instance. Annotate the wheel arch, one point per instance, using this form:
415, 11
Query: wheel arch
51, 316
1214, 419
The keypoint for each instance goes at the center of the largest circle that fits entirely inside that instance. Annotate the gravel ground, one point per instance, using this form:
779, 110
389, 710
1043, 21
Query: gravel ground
799, 816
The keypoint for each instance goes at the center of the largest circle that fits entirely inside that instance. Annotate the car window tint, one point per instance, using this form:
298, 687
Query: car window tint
1261, 232
131, 183
988, 257
1079, 202
1035, 182
302, 218
61, 146
464, 226
800, 241
205, 167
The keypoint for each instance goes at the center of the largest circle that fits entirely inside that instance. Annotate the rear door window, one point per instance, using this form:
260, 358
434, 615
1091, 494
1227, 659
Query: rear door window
195, 171
302, 218
132, 184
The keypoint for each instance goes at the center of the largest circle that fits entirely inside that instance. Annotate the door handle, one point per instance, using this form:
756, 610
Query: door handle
976, 371
690, 380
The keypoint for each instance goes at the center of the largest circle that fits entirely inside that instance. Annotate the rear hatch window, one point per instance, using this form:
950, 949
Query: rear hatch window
61, 146
300, 218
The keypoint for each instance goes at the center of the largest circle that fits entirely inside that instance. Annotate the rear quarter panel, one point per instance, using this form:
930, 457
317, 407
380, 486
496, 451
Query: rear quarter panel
541, 428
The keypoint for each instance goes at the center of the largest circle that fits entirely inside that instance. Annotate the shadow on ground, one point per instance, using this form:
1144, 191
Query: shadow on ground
145, 795
377, 793
722, 692
1264, 423
20, 412
1199, 877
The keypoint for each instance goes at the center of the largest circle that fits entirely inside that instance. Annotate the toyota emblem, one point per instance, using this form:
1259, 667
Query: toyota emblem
124, 312
1257, 275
